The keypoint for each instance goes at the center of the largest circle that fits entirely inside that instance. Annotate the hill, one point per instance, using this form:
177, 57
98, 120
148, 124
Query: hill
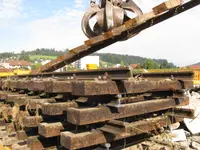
44, 57
129, 59
50, 54
118, 58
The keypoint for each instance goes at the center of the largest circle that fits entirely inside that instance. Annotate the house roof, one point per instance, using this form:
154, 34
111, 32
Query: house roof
5, 70
136, 66
195, 67
18, 63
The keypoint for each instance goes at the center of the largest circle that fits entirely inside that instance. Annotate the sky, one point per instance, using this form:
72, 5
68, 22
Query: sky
30, 24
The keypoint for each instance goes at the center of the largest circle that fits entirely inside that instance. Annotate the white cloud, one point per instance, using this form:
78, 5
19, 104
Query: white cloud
9, 10
79, 3
60, 31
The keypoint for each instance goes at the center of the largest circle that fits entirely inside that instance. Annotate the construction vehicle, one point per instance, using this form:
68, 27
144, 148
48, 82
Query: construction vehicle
9, 72
91, 66
196, 78
5, 72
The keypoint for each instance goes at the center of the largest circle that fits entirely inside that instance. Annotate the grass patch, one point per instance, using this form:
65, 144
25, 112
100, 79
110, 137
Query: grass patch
35, 57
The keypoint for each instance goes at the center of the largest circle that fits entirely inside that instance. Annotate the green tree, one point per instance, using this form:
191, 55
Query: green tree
122, 63
150, 64
24, 56
36, 66
164, 65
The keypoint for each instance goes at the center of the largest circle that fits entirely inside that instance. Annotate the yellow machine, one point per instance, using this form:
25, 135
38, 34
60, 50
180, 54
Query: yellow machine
20, 72
196, 79
5, 74
91, 66
14, 72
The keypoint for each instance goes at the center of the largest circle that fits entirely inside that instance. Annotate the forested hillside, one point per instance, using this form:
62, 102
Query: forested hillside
110, 58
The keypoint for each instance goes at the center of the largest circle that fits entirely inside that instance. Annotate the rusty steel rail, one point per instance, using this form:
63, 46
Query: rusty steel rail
72, 140
69, 109
108, 73
160, 13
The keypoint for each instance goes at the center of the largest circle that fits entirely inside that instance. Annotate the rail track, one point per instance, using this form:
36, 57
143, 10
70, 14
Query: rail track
73, 111
111, 73
95, 108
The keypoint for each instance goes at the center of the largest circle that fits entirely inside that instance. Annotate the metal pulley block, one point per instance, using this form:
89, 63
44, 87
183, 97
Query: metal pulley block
109, 14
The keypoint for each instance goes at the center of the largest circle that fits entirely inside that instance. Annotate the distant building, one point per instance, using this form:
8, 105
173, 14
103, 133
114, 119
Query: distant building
117, 66
82, 63
44, 62
196, 67
136, 66
15, 64
4, 70
133, 66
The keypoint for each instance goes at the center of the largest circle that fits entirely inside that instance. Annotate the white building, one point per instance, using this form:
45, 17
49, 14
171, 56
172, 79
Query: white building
81, 63
15, 64
45, 62
5, 65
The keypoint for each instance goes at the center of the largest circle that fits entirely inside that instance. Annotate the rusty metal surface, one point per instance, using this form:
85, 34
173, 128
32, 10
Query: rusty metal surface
54, 109
3, 95
101, 74
40, 143
126, 100
2, 122
149, 86
31, 121
115, 127
1, 83
23, 84
18, 99
86, 88
83, 88
115, 73
50, 129
182, 112
100, 114
21, 135
55, 86
13, 84
35, 103
85, 139
34, 143
121, 128
36, 85
107, 86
